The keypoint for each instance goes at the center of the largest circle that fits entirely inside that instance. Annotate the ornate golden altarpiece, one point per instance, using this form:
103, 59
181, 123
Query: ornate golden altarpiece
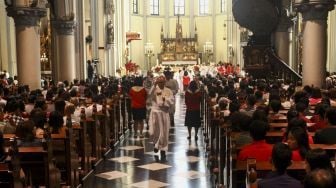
178, 50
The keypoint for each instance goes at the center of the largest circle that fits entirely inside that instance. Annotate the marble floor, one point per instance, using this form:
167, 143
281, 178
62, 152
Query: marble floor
134, 164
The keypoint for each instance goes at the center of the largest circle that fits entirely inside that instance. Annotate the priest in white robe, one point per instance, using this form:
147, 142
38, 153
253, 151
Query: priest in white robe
162, 100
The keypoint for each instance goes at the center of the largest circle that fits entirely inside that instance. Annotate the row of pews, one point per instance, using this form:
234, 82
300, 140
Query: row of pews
66, 160
225, 170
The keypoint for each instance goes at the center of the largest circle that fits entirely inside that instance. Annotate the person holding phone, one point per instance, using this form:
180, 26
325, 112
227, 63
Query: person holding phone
162, 100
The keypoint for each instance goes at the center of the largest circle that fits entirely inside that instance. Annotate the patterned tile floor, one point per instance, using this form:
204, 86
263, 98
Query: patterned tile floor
134, 164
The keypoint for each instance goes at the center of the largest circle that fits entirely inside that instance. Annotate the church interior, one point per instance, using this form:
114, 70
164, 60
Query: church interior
167, 93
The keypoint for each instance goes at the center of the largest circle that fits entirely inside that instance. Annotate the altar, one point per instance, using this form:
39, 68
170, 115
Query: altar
179, 63
179, 50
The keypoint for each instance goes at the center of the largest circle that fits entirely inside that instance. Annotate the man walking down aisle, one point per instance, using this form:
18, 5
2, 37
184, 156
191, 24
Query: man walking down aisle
172, 84
162, 100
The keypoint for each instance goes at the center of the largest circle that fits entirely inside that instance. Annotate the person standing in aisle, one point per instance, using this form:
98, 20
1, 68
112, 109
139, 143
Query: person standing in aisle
90, 71
162, 100
172, 84
138, 97
193, 99
185, 81
148, 84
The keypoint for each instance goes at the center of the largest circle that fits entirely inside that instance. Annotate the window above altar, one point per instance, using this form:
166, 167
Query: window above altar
154, 7
135, 5
203, 7
179, 7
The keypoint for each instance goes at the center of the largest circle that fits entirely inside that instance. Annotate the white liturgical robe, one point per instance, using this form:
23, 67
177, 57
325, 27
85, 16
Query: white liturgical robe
159, 121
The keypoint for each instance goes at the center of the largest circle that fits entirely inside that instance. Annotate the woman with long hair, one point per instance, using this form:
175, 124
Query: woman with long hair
298, 142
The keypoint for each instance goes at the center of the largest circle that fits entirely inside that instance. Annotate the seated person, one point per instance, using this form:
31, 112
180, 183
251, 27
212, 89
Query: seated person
320, 178
301, 108
223, 103
275, 107
278, 178
296, 122
316, 96
327, 135
292, 114
250, 105
332, 96
5, 126
260, 114
298, 142
56, 123
317, 159
26, 137
14, 109
319, 117
242, 122
258, 149
38, 116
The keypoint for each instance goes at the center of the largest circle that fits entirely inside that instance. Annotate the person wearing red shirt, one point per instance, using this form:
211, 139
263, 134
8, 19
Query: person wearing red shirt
318, 118
298, 142
316, 96
221, 70
185, 80
297, 122
278, 177
258, 149
229, 69
193, 99
138, 97
301, 108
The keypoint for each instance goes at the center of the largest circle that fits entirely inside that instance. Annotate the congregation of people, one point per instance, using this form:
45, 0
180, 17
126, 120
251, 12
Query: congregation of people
246, 105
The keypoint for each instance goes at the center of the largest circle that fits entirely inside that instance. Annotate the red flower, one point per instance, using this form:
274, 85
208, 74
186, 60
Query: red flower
130, 66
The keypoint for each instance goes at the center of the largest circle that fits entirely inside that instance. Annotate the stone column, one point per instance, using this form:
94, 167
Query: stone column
27, 43
110, 36
314, 52
282, 38
65, 50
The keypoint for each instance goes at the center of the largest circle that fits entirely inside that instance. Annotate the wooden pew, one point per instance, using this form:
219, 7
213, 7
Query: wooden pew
66, 157
285, 124
124, 115
278, 119
277, 136
284, 112
36, 163
105, 130
324, 146
262, 168
72, 158
114, 126
6, 176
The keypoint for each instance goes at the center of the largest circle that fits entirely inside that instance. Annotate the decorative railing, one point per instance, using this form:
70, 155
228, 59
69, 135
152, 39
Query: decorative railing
281, 70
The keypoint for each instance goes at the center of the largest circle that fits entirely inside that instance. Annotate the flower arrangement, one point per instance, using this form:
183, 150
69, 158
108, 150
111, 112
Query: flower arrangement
130, 66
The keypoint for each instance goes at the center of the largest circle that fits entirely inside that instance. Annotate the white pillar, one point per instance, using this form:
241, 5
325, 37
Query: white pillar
282, 37
28, 44
314, 53
66, 50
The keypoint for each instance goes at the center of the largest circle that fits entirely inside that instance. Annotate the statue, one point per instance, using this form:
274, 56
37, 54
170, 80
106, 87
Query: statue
109, 7
109, 32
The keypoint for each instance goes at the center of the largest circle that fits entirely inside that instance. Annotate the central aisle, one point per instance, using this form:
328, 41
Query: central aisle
134, 164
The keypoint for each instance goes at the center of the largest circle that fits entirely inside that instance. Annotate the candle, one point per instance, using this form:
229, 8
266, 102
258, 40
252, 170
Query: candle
157, 62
